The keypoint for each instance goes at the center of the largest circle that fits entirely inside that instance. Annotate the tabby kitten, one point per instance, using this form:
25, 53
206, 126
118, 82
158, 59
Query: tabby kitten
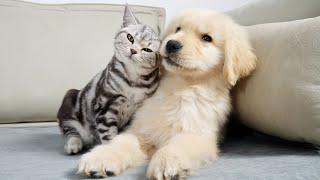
106, 105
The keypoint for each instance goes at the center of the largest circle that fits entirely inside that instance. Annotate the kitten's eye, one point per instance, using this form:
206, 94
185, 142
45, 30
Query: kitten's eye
130, 38
206, 38
178, 29
146, 49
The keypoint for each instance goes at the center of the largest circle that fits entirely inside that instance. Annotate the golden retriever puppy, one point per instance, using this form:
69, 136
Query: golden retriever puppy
204, 54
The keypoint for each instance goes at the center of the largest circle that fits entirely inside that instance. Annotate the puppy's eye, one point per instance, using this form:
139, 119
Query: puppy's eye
146, 50
130, 38
206, 38
178, 29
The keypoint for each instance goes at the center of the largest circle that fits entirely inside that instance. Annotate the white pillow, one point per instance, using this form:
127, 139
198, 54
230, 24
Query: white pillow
282, 97
268, 11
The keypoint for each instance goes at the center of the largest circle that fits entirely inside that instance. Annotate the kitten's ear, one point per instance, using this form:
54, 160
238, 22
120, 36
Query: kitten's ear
129, 18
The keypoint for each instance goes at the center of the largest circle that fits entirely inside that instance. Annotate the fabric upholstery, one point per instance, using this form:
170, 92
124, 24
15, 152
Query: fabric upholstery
282, 97
267, 11
47, 49
37, 153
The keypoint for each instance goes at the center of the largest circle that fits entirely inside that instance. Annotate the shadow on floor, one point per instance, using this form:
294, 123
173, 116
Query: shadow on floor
243, 141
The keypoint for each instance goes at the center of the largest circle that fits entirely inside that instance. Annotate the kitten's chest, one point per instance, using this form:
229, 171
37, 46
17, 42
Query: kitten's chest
135, 95
127, 108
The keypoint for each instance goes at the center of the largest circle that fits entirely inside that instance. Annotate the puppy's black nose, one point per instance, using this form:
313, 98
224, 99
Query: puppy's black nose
173, 46
133, 51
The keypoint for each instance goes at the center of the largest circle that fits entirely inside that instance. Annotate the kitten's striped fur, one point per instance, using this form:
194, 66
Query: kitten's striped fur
106, 105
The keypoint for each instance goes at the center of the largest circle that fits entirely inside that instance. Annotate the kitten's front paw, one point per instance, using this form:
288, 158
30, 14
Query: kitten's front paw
98, 164
165, 165
73, 145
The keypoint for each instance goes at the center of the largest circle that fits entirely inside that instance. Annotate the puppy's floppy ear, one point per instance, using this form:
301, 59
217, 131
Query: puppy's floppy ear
239, 58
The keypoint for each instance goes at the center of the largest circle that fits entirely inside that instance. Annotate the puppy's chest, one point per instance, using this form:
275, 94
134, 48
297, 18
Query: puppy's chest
170, 112
190, 110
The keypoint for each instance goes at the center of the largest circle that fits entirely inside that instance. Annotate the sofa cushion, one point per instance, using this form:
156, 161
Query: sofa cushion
282, 97
47, 49
267, 11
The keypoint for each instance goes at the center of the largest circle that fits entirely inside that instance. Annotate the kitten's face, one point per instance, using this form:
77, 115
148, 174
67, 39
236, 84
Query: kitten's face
137, 42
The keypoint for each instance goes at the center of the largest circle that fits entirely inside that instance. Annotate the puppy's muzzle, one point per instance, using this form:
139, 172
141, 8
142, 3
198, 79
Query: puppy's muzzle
173, 47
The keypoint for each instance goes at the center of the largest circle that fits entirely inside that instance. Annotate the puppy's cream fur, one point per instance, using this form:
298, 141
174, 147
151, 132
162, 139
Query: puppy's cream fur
178, 128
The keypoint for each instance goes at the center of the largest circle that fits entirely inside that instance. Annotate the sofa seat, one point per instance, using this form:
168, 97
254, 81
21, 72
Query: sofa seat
37, 153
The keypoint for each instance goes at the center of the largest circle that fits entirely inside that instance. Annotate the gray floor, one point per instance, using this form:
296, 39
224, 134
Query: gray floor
36, 153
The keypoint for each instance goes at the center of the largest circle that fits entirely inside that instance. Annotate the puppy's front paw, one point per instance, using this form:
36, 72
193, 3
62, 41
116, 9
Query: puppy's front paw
98, 164
166, 165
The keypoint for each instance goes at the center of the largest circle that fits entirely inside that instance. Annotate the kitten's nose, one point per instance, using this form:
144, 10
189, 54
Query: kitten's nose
133, 51
173, 46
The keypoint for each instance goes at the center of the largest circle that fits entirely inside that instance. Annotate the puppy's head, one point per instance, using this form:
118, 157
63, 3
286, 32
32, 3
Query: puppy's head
197, 42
